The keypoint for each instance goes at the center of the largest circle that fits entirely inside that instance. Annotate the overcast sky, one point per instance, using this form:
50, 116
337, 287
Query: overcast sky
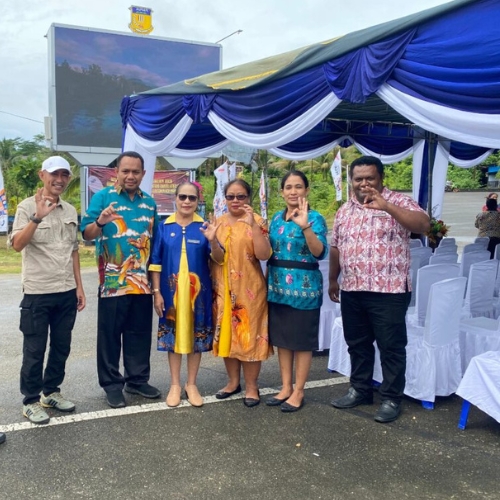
269, 27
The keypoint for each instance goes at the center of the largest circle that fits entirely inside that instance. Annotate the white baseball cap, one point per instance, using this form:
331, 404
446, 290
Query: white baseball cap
55, 163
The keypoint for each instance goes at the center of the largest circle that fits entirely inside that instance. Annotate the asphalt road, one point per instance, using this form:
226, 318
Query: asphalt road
225, 450
459, 212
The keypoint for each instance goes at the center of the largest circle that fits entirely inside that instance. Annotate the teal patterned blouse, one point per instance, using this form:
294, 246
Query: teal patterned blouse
298, 288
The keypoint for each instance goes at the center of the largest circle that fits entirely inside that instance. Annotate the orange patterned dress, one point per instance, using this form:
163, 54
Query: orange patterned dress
240, 283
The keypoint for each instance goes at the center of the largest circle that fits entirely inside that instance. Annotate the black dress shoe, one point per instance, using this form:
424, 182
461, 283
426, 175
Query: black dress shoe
351, 399
115, 399
388, 411
275, 401
288, 408
3, 437
223, 394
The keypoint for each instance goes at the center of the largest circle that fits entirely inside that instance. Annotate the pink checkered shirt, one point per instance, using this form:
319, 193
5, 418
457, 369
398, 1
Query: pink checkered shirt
374, 248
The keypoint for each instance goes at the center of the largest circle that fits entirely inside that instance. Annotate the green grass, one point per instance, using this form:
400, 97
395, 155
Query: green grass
10, 260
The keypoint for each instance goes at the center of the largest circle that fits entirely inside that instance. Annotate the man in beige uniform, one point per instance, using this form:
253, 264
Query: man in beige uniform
45, 231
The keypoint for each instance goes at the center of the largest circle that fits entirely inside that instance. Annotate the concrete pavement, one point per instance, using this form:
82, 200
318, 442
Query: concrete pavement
225, 450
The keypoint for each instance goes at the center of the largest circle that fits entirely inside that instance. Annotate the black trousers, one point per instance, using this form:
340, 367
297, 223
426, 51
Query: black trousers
380, 317
494, 241
39, 313
126, 319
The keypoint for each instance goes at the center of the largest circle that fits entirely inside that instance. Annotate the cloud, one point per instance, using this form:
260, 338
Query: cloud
269, 28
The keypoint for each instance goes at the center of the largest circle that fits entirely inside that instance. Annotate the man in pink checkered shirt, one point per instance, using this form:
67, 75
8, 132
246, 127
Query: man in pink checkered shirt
370, 245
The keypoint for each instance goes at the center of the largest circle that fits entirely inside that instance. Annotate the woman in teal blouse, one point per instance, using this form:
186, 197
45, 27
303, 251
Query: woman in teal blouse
295, 288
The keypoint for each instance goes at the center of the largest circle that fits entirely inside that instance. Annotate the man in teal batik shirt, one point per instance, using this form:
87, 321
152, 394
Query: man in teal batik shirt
122, 218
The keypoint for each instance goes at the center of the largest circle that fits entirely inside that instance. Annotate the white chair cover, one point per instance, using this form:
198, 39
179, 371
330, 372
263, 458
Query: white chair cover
479, 298
426, 277
414, 267
328, 312
496, 255
423, 252
433, 351
415, 243
339, 360
478, 335
481, 383
470, 258
473, 247
444, 258
447, 241
482, 240
446, 249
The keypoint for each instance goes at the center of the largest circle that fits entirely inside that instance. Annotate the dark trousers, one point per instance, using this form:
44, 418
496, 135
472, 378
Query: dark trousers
127, 319
494, 241
380, 317
39, 313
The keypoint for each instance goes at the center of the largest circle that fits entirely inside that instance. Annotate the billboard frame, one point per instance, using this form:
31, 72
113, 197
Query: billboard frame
51, 120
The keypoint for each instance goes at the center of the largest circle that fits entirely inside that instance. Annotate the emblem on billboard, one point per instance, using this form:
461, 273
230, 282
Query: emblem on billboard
141, 20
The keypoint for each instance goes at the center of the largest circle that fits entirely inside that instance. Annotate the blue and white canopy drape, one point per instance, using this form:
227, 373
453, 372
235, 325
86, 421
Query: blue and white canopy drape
437, 72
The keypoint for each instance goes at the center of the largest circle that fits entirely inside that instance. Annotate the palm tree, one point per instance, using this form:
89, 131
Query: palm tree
8, 151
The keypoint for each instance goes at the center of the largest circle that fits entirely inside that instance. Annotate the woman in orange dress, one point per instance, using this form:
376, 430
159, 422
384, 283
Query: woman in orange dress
240, 305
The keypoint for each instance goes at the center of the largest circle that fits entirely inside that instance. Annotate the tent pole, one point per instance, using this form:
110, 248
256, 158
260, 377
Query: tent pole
431, 154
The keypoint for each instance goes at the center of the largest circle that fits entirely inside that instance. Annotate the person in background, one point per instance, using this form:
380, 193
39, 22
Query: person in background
182, 292
122, 219
45, 231
295, 288
491, 196
370, 245
240, 306
488, 224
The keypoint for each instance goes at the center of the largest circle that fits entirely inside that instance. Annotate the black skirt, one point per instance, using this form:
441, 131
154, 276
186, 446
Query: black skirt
293, 329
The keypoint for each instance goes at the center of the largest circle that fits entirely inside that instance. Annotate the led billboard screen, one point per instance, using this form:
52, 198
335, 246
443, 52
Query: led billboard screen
91, 71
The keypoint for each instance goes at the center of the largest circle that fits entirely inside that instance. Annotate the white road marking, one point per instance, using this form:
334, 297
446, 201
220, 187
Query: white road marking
132, 410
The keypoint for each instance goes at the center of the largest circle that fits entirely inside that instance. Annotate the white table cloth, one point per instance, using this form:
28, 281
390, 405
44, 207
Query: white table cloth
480, 384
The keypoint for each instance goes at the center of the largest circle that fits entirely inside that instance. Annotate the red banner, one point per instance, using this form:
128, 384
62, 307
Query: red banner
164, 185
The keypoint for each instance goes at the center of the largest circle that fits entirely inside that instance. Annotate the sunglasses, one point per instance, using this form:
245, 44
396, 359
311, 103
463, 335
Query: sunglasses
191, 197
239, 197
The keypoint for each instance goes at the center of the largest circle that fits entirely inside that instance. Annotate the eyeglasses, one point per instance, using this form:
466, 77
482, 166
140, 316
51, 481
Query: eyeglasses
239, 197
191, 197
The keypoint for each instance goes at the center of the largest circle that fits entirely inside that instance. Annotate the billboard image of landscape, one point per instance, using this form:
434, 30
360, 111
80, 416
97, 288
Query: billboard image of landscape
94, 70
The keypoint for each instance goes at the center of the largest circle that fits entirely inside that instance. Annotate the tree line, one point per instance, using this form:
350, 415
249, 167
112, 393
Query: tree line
20, 161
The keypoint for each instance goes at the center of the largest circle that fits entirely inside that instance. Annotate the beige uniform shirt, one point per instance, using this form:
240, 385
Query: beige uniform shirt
48, 259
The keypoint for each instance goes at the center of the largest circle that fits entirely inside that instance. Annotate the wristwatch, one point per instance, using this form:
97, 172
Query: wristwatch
34, 219
98, 224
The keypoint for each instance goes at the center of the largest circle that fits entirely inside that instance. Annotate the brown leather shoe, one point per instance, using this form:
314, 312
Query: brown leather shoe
174, 396
193, 395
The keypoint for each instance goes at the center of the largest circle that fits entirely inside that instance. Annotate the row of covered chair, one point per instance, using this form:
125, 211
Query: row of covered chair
477, 328
455, 342
480, 243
